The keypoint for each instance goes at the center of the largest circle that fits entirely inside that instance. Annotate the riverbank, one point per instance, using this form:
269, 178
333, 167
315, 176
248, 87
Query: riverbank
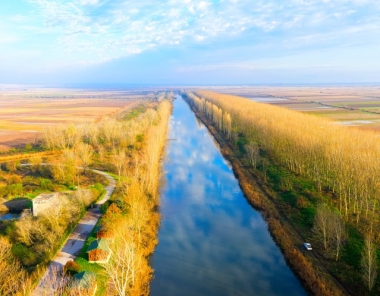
130, 218
314, 276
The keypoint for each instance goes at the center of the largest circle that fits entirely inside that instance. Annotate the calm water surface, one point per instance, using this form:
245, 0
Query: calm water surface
211, 241
9, 216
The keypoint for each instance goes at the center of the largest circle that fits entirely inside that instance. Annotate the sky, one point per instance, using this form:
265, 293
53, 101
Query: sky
189, 42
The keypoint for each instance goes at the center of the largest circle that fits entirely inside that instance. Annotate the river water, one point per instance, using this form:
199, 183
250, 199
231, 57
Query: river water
211, 241
9, 216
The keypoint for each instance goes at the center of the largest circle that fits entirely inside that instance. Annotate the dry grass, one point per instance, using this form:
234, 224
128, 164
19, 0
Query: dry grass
333, 102
24, 114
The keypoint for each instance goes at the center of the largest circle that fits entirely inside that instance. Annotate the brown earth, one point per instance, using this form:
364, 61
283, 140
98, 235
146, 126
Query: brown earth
25, 113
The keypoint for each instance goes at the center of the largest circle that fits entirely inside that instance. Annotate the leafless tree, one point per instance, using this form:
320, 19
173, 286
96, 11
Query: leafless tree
13, 279
322, 220
84, 153
53, 283
338, 232
369, 263
119, 160
252, 150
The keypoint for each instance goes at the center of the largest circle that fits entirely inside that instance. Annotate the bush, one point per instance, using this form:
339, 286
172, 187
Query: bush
24, 254
71, 268
12, 190
9, 166
113, 210
46, 184
72, 187
28, 146
105, 206
14, 179
99, 187
123, 206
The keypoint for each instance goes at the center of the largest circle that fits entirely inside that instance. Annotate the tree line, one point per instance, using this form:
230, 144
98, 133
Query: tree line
341, 160
132, 217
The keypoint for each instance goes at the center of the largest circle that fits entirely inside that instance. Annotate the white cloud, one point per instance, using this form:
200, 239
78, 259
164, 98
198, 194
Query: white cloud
111, 29
8, 38
88, 2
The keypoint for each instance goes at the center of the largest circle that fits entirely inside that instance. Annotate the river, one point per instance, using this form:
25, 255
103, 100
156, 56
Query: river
211, 241
9, 216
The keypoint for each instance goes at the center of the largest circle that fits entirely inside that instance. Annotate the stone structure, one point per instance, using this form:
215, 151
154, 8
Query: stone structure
43, 202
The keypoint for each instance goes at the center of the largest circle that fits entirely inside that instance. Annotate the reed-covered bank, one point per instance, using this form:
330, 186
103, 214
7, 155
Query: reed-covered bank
132, 216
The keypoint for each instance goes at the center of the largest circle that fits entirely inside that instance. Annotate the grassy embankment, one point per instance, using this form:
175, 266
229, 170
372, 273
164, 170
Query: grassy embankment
109, 144
130, 217
303, 161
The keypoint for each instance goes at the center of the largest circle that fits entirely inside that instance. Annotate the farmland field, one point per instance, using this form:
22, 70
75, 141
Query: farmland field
25, 112
357, 106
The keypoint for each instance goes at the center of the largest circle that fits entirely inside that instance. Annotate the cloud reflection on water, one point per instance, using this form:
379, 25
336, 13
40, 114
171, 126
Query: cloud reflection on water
211, 242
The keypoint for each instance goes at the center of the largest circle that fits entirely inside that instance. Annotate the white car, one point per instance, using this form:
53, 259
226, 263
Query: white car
307, 246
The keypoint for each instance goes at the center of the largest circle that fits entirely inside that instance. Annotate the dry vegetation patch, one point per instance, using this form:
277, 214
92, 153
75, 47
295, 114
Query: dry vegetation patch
359, 104
25, 113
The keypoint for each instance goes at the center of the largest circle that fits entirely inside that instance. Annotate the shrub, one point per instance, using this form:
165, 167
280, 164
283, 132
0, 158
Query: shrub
71, 267
9, 166
24, 254
105, 206
99, 187
46, 184
14, 179
113, 210
28, 146
14, 189
122, 205
301, 202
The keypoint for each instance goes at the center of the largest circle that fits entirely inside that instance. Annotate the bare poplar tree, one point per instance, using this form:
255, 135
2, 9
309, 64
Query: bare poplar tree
322, 220
338, 232
121, 266
119, 160
53, 283
84, 153
369, 263
253, 153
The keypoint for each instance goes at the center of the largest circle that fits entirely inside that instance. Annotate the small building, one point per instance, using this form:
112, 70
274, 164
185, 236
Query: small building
99, 251
83, 283
103, 232
43, 202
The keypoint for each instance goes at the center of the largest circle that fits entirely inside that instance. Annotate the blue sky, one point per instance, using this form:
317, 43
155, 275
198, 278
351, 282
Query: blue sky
189, 42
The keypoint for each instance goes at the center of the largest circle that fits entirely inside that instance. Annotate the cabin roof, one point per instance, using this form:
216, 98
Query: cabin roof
98, 228
84, 279
100, 244
44, 197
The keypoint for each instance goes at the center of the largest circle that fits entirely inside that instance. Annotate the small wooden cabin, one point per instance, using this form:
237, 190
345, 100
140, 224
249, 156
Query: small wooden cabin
103, 232
83, 283
99, 251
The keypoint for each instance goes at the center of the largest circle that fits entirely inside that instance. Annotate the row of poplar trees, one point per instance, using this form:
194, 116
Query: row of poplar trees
340, 159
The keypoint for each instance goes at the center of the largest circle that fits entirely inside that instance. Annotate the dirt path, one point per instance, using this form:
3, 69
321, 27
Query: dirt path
74, 243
